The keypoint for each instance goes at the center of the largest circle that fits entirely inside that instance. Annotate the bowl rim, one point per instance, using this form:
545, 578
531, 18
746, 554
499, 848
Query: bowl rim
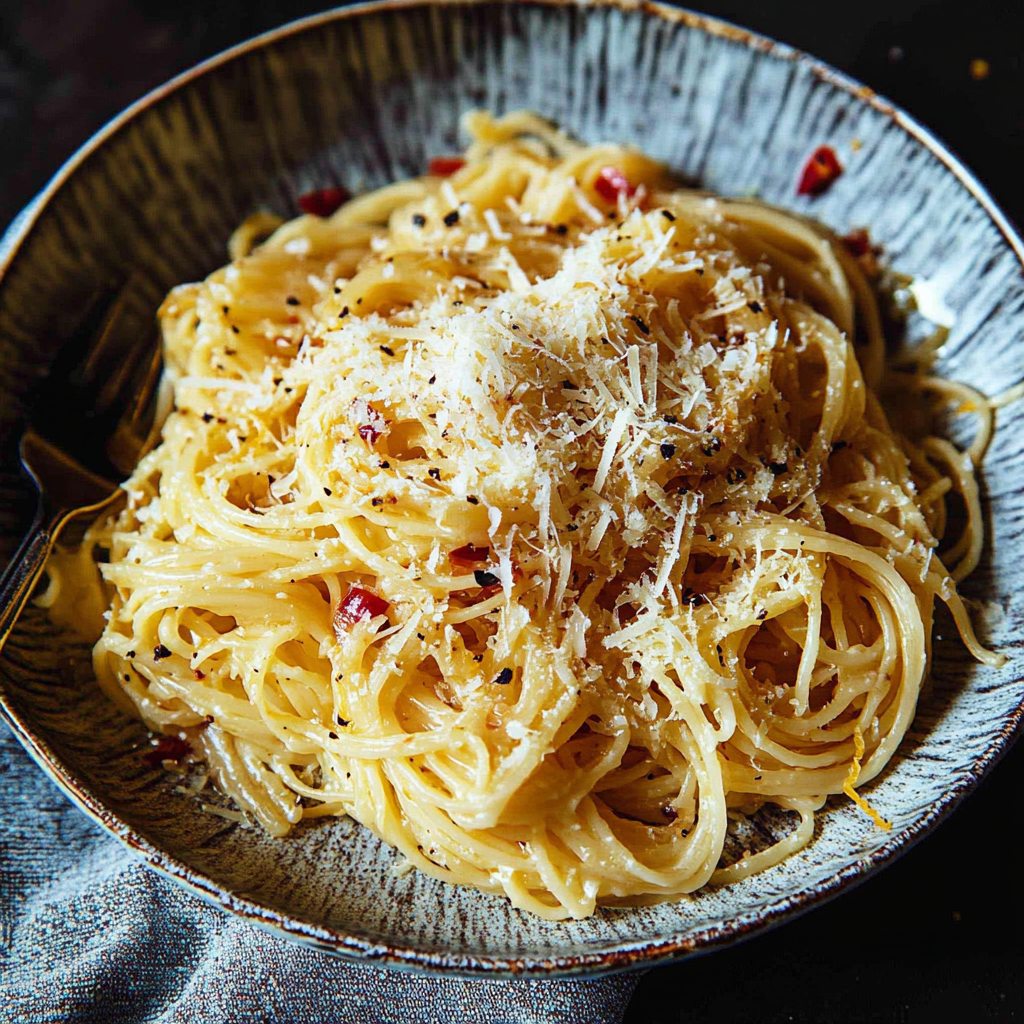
628, 954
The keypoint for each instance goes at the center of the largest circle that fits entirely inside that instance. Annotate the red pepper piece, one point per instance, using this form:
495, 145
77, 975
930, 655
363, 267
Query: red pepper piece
445, 166
857, 242
369, 433
358, 605
324, 201
468, 555
611, 182
819, 172
170, 748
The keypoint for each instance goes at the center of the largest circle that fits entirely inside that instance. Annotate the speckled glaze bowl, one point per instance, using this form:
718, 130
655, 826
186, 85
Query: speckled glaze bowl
362, 96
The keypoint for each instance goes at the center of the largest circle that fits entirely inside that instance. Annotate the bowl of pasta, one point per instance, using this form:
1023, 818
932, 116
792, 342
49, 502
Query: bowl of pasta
583, 531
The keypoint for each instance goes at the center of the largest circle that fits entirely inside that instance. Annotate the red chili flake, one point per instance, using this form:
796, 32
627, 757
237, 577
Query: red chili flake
857, 242
444, 166
358, 605
819, 172
324, 201
468, 554
170, 748
611, 182
669, 813
369, 433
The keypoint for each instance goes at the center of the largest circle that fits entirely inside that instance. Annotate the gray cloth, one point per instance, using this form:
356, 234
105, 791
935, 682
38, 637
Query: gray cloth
89, 933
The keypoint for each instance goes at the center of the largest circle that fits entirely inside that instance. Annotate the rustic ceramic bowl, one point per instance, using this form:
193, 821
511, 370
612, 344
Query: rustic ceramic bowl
363, 96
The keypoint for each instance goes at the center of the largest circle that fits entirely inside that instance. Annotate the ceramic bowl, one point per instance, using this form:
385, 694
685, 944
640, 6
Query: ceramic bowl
362, 96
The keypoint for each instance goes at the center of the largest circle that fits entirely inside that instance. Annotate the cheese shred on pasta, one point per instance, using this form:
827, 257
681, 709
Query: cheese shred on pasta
539, 517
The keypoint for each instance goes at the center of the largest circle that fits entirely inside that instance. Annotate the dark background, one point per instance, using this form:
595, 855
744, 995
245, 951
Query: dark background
937, 936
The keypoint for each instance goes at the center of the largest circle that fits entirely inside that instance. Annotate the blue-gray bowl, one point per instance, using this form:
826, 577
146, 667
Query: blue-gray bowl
362, 96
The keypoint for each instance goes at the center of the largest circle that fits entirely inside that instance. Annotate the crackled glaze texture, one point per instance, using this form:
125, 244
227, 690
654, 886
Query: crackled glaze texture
364, 96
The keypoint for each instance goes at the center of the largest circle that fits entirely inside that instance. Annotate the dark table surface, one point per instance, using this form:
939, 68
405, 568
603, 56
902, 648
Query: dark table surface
936, 936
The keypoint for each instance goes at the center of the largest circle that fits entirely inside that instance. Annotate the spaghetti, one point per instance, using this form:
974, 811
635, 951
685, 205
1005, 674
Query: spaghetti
539, 516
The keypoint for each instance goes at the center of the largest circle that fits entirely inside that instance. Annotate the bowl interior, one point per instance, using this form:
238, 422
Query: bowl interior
362, 97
